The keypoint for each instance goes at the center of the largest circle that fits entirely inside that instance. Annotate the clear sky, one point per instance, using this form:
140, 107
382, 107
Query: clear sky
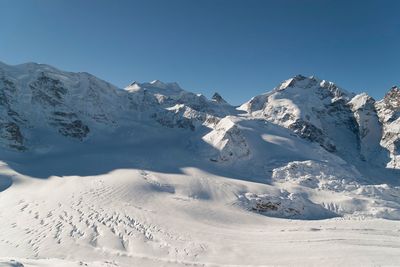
238, 48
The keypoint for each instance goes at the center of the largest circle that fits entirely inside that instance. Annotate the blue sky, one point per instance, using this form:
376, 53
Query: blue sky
238, 48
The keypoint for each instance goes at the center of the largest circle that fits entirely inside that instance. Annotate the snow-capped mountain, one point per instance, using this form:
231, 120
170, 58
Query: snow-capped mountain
319, 111
38, 98
172, 161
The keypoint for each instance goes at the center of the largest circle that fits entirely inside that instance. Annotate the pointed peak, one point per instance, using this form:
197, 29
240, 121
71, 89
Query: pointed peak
218, 98
133, 86
300, 77
392, 98
395, 88
174, 85
394, 92
362, 100
157, 84
133, 83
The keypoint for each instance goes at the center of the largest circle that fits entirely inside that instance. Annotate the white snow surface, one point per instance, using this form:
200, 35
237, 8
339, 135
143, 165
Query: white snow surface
153, 175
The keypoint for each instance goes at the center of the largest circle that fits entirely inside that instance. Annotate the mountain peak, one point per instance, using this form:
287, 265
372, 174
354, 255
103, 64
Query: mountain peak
300, 81
158, 83
392, 98
218, 98
361, 100
162, 85
312, 82
395, 88
133, 86
156, 86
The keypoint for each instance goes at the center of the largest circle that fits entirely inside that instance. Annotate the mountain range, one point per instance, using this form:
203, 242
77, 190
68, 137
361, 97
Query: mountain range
306, 150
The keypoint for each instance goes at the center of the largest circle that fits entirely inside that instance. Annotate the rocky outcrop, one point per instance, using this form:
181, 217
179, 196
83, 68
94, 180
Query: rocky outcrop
369, 128
389, 114
47, 91
12, 135
227, 138
69, 125
284, 205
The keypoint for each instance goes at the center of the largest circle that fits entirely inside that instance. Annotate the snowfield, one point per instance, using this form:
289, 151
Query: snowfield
152, 175
142, 218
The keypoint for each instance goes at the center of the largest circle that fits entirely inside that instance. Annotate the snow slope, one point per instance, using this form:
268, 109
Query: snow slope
153, 175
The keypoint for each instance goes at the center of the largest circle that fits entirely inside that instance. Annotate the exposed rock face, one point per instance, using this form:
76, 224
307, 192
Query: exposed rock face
389, 106
369, 127
75, 129
47, 91
310, 132
284, 205
389, 115
11, 133
392, 98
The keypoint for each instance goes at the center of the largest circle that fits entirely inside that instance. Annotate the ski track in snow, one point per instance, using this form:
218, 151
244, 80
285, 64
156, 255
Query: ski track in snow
105, 217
